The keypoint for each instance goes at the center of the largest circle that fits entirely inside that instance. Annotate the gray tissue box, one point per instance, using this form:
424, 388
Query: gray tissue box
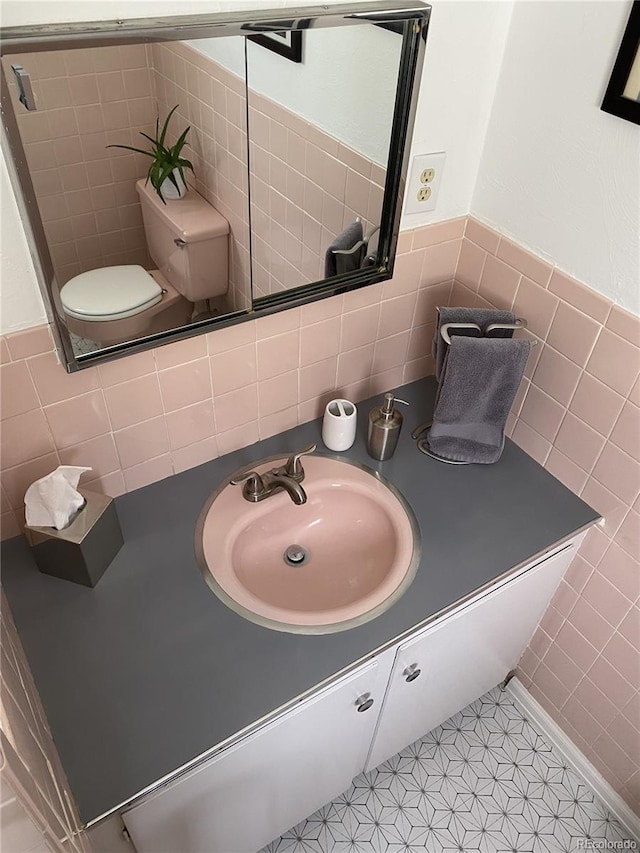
82, 551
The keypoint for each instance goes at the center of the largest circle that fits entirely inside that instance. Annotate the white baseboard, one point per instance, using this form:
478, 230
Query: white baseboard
575, 758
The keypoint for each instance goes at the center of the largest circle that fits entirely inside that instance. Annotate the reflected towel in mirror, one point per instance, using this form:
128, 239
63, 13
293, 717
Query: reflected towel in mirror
346, 252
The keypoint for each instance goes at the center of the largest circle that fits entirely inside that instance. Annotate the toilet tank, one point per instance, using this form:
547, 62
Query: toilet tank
188, 241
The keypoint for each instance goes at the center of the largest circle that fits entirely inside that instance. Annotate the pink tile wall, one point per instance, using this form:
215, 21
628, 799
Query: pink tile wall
578, 414
306, 187
87, 99
143, 418
212, 101
31, 766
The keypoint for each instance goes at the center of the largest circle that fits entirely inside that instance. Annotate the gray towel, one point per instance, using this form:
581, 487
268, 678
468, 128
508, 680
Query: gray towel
480, 316
479, 383
348, 239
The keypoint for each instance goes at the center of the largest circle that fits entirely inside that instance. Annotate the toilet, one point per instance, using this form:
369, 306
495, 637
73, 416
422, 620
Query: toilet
188, 240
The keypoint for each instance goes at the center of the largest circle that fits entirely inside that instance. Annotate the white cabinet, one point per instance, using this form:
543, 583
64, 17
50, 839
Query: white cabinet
448, 665
248, 794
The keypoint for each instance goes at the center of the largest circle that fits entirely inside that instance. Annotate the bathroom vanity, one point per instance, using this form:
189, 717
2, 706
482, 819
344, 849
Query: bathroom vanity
194, 723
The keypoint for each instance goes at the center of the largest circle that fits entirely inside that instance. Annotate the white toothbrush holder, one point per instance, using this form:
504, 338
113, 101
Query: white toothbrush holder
339, 424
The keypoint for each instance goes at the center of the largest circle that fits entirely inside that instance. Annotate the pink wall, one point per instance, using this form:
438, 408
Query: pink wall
145, 417
577, 414
87, 99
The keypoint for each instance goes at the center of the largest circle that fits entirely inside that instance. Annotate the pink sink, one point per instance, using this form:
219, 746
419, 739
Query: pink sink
333, 563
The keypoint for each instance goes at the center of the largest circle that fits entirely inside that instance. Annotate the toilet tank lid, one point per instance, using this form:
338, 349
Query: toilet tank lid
191, 218
110, 291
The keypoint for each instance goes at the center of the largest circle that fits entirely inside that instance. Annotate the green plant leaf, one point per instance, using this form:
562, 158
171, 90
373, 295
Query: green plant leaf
166, 125
164, 159
156, 147
131, 148
180, 167
154, 175
177, 148
156, 182
167, 174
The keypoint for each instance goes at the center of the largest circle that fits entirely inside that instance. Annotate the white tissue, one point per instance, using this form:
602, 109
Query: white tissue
53, 500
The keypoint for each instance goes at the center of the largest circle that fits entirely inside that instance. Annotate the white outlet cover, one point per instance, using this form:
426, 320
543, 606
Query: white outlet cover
414, 184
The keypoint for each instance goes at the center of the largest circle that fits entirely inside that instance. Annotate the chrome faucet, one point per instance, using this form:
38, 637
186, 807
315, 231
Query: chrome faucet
287, 477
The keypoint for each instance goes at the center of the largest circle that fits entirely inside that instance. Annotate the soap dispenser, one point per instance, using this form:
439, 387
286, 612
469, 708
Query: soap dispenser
385, 423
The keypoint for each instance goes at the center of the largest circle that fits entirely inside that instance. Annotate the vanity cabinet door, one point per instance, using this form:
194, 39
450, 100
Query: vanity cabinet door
248, 794
452, 663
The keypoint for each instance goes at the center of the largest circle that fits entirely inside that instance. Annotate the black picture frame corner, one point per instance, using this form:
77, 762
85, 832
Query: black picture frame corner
615, 101
291, 51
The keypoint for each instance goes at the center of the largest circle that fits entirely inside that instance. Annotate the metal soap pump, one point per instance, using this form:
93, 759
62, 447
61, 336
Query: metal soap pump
385, 423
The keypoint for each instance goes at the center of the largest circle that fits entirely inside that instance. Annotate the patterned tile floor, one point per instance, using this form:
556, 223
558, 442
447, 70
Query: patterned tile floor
485, 780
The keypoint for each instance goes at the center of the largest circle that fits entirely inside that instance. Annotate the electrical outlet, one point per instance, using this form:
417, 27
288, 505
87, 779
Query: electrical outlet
424, 182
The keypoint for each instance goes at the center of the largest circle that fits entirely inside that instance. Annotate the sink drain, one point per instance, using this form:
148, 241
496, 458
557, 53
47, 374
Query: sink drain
296, 555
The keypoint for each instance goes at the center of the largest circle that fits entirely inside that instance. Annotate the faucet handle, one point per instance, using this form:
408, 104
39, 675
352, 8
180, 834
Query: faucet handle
293, 468
254, 485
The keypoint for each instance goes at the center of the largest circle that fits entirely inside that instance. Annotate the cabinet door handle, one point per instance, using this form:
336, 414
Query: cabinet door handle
364, 702
411, 672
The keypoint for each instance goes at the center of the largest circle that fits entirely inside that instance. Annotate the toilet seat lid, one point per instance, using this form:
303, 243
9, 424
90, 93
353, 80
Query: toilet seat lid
110, 293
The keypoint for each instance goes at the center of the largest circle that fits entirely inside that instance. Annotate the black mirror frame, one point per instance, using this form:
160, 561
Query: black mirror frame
411, 19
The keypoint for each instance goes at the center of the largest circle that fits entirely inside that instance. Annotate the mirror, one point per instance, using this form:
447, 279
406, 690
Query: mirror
294, 161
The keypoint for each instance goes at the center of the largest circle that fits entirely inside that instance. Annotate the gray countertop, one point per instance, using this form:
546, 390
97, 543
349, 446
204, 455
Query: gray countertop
149, 670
